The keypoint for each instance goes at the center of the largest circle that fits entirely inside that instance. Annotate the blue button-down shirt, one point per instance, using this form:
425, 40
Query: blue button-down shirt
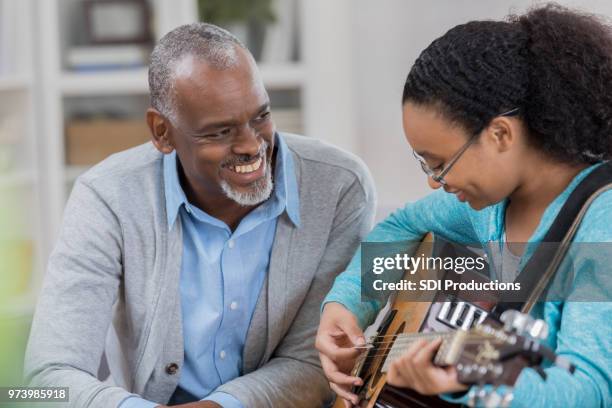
222, 274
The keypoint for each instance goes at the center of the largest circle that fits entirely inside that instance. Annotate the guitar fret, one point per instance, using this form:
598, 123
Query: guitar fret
405, 340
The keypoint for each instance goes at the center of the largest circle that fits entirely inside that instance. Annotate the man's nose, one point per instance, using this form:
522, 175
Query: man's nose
246, 142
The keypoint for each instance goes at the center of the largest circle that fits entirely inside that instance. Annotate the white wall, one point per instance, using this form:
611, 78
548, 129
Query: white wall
387, 37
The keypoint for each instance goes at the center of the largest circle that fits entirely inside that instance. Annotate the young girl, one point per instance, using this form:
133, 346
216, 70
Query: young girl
506, 118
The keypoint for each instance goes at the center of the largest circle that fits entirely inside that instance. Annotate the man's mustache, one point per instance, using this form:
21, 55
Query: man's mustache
245, 158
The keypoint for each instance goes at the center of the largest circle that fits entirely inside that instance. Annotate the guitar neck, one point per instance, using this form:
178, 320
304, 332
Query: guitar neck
403, 341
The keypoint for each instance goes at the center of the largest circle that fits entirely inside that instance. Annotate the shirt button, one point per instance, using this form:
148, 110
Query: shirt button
172, 368
230, 243
234, 305
222, 354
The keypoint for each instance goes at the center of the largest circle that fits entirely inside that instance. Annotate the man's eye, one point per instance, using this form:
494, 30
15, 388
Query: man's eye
437, 168
218, 135
263, 116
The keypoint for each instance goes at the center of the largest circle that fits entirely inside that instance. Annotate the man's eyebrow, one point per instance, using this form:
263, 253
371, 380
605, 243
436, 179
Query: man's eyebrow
263, 108
230, 122
216, 125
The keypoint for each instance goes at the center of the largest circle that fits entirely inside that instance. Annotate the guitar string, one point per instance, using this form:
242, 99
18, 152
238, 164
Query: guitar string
395, 337
398, 355
390, 351
407, 341
413, 336
464, 353
435, 337
410, 334
401, 350
472, 339
418, 333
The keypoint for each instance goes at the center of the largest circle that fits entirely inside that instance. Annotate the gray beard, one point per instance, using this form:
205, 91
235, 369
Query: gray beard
260, 190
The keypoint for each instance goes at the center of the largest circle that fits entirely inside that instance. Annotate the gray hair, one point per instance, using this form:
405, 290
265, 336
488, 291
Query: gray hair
205, 42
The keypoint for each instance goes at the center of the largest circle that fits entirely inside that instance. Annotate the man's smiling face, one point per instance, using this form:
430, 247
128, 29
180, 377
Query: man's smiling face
222, 131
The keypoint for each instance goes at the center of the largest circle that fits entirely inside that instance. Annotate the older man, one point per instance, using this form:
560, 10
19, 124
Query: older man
193, 268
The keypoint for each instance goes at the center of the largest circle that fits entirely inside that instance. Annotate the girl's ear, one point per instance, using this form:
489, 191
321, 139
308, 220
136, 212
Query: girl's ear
502, 133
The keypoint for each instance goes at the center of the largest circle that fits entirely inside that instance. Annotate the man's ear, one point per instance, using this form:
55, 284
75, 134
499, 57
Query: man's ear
502, 133
159, 131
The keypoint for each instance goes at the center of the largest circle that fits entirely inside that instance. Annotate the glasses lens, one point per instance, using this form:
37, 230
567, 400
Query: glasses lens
435, 175
425, 168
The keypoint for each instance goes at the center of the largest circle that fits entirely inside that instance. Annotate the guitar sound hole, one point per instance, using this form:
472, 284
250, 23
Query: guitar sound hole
371, 364
386, 349
362, 390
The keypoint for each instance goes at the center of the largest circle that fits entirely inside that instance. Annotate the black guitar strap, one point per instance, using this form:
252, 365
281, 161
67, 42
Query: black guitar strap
562, 230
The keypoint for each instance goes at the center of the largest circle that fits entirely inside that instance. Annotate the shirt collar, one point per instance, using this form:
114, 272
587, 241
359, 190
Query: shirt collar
285, 180
175, 196
285, 184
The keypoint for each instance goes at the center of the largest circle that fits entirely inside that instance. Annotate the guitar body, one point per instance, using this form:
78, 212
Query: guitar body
407, 317
485, 347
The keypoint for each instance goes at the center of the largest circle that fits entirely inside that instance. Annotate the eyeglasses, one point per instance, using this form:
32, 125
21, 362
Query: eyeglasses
438, 175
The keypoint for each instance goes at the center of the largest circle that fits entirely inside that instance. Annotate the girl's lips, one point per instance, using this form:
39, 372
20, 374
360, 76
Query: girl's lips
461, 196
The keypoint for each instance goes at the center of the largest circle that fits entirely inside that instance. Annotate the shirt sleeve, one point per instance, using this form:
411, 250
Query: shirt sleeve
439, 212
578, 327
137, 402
224, 399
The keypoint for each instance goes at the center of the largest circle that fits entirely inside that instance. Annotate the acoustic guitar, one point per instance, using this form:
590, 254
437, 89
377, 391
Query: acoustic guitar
484, 350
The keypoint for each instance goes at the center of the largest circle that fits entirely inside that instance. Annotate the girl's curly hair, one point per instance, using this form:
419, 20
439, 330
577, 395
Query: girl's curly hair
552, 63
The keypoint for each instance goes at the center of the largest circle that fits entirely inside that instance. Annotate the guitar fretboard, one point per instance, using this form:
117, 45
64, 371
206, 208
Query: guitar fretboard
404, 340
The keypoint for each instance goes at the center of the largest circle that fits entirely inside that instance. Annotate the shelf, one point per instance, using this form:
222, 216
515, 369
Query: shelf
285, 76
14, 83
104, 82
16, 179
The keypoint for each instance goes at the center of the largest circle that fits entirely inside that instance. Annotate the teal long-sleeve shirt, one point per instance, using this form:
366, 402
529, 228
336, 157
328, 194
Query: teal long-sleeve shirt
578, 330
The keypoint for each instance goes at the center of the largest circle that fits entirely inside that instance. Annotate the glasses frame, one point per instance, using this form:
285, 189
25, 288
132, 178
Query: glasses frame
438, 176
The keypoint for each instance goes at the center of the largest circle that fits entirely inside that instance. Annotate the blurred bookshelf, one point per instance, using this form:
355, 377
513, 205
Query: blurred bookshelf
134, 81
104, 83
16, 178
21, 232
91, 73
68, 100
14, 83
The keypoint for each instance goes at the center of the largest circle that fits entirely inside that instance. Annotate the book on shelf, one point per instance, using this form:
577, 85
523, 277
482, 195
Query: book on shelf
106, 57
89, 141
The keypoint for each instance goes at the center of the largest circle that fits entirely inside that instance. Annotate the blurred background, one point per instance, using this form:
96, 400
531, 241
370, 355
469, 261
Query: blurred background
73, 89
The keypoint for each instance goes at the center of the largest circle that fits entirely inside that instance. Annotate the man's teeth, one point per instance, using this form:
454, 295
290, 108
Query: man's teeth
249, 168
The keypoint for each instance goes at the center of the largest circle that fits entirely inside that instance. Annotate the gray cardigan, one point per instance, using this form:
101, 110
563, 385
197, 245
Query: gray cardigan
111, 288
